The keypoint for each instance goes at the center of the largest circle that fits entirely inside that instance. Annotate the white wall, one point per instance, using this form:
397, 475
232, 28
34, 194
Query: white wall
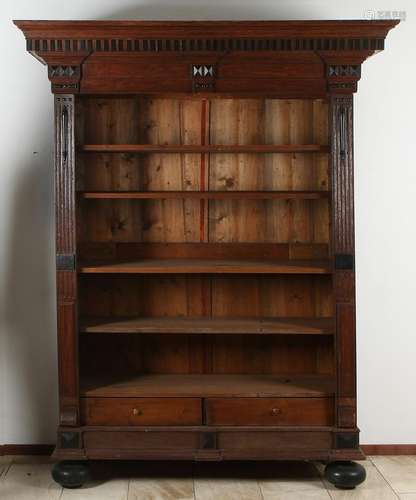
385, 114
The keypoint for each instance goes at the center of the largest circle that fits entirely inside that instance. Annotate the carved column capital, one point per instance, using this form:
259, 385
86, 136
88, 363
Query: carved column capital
342, 78
65, 71
343, 70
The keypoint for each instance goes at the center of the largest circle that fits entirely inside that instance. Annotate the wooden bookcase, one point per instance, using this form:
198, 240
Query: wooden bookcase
205, 238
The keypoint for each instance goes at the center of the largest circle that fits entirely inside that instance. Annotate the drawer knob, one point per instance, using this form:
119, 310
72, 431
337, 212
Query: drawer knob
137, 412
275, 411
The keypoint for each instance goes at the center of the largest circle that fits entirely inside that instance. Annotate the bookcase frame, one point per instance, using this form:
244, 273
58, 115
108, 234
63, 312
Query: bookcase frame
204, 313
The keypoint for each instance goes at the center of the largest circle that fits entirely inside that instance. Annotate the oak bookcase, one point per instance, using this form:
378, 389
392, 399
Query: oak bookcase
205, 239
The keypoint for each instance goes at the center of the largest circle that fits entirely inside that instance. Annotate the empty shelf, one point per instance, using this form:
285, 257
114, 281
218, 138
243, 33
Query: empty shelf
169, 325
196, 266
204, 148
203, 385
207, 195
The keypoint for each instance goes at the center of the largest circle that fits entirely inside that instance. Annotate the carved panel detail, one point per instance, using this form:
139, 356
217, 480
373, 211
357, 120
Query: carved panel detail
68, 415
203, 70
63, 71
206, 44
66, 246
341, 117
65, 86
64, 174
353, 70
203, 77
345, 88
342, 174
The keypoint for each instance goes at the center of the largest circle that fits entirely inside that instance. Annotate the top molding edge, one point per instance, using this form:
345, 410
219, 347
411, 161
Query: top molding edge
33, 29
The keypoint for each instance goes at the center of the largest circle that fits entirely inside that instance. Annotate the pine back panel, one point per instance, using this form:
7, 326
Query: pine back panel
138, 226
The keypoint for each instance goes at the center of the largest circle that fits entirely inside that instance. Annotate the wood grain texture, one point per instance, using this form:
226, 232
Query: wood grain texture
270, 121
342, 174
141, 411
203, 250
212, 386
178, 266
270, 411
153, 121
216, 29
207, 148
66, 245
229, 354
291, 326
341, 119
211, 195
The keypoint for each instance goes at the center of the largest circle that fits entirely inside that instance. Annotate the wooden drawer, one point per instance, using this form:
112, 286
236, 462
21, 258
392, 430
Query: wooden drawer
141, 411
269, 411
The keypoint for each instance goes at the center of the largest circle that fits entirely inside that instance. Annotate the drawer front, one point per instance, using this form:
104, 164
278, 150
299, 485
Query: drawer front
141, 411
269, 411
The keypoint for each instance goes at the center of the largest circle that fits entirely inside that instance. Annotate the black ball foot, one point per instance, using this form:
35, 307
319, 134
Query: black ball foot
71, 474
345, 475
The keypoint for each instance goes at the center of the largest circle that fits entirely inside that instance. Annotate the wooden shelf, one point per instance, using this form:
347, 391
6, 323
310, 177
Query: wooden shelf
204, 195
172, 325
199, 266
201, 148
202, 385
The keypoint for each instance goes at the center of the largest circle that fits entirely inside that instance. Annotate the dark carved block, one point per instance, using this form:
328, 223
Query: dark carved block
343, 86
69, 440
203, 86
65, 87
208, 440
65, 262
346, 440
62, 71
344, 261
353, 70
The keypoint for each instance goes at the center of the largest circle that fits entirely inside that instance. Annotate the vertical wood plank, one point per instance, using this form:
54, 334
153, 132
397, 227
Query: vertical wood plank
237, 121
171, 121
66, 258
341, 115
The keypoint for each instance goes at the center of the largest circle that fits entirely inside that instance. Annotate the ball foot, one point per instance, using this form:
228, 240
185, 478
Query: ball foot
71, 474
345, 475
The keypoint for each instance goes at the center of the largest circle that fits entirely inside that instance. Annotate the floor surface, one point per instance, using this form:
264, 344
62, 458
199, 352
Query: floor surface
29, 478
